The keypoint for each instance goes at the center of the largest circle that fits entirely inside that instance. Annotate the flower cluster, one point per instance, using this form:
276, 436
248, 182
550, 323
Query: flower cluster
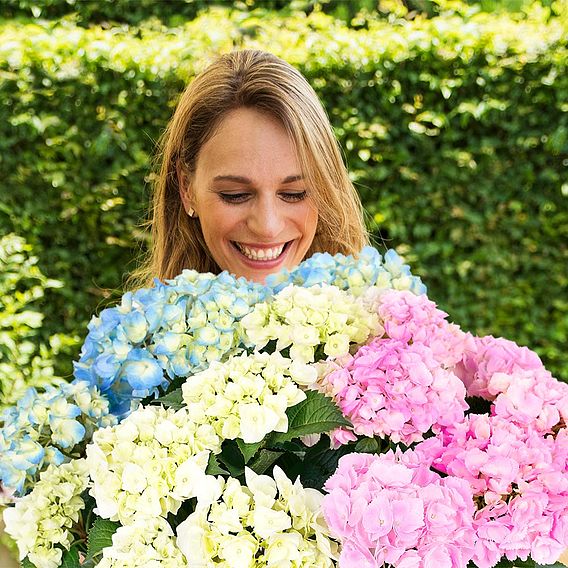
268, 522
489, 355
151, 462
41, 522
247, 397
417, 319
46, 428
390, 510
168, 331
518, 478
349, 273
303, 319
149, 543
515, 379
401, 386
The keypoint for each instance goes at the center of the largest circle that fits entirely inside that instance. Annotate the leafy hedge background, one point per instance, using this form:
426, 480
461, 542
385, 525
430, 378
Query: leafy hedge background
453, 121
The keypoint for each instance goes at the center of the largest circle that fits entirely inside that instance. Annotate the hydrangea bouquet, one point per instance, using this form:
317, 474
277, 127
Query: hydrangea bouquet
332, 417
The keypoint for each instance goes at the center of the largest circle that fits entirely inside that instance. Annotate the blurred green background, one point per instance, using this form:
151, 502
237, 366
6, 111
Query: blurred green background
452, 116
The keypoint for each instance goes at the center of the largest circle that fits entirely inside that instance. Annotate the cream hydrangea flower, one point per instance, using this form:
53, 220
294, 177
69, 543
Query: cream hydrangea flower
150, 463
144, 544
40, 522
247, 396
268, 522
302, 319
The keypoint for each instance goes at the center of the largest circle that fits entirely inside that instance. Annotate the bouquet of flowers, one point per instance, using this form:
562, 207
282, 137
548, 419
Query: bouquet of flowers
332, 417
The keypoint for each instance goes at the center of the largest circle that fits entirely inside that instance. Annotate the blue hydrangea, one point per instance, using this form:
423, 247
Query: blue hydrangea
157, 334
349, 273
47, 428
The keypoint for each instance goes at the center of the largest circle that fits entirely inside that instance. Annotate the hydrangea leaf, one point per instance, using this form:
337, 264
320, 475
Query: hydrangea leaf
367, 446
320, 462
25, 563
248, 450
70, 559
264, 460
173, 399
316, 414
214, 467
100, 536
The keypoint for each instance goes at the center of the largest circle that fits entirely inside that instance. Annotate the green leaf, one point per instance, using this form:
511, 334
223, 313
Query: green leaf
264, 460
321, 462
25, 563
214, 467
70, 559
100, 536
367, 446
316, 414
231, 458
248, 450
173, 399
518, 563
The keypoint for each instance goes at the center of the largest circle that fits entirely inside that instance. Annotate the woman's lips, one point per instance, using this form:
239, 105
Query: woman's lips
262, 256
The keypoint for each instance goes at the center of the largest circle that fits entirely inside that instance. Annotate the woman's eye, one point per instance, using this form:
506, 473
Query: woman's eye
293, 195
234, 197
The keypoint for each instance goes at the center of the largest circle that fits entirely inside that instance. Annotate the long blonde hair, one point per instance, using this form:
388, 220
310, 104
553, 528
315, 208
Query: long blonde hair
259, 80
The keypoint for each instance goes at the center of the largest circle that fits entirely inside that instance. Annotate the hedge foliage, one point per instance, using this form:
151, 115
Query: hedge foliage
454, 128
24, 361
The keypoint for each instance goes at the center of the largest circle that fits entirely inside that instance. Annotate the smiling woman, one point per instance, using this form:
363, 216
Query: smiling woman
250, 198
251, 177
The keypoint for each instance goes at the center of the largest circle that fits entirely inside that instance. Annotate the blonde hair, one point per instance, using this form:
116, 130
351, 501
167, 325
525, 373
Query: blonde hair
259, 80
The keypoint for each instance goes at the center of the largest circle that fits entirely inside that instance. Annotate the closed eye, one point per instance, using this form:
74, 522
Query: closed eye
234, 197
289, 196
293, 195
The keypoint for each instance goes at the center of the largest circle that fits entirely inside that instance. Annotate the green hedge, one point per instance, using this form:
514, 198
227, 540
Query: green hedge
24, 359
455, 130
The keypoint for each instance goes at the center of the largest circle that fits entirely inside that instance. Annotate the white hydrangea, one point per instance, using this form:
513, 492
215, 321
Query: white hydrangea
150, 463
247, 396
146, 544
302, 319
268, 522
42, 521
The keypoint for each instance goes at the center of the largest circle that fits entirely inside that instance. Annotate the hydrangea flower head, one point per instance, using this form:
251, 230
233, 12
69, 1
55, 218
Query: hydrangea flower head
350, 273
170, 330
519, 481
151, 462
267, 522
43, 426
303, 319
247, 396
41, 522
489, 355
389, 510
402, 385
145, 544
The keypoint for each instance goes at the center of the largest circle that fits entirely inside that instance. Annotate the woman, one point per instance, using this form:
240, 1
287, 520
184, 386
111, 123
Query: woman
251, 178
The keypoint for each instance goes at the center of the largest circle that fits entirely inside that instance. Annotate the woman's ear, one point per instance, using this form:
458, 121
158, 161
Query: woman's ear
185, 190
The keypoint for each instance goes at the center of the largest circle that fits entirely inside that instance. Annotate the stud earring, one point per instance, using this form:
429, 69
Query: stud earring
191, 212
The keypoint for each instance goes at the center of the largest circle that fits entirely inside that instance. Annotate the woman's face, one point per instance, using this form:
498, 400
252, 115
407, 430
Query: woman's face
250, 197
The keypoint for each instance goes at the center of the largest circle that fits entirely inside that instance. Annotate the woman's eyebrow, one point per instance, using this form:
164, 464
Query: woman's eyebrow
248, 181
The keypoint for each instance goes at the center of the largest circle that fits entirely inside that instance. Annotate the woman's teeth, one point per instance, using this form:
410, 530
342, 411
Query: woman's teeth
261, 254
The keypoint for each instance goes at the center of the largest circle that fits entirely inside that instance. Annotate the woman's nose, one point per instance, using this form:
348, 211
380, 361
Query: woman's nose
266, 219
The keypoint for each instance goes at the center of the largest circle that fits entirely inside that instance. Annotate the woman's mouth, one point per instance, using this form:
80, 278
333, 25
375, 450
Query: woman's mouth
264, 254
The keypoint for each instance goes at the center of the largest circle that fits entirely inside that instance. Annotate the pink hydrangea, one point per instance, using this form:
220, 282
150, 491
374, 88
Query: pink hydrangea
413, 318
401, 385
519, 479
515, 379
489, 355
396, 389
387, 509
